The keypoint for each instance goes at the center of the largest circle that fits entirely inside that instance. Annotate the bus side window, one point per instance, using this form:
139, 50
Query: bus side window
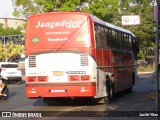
116, 40
124, 47
127, 42
97, 36
113, 39
124, 41
119, 40
110, 38
108, 43
103, 37
130, 43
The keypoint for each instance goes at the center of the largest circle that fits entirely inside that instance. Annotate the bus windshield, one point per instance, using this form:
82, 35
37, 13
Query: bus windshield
57, 31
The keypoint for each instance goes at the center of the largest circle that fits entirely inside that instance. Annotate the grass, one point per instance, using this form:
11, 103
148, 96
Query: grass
146, 69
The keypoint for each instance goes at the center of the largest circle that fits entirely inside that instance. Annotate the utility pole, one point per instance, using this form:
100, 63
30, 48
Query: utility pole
157, 65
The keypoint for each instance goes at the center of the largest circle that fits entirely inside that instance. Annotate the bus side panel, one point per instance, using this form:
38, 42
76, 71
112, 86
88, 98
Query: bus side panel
99, 57
101, 73
123, 75
106, 57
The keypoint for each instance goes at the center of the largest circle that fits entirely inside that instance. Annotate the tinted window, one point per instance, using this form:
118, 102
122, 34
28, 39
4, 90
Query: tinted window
9, 65
103, 37
98, 36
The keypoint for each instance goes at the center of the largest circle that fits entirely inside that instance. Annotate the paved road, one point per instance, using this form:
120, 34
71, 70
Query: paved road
123, 104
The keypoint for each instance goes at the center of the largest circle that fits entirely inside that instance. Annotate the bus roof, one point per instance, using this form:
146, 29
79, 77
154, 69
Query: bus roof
97, 20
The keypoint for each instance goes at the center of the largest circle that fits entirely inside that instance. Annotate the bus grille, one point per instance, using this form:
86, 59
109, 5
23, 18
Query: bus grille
32, 61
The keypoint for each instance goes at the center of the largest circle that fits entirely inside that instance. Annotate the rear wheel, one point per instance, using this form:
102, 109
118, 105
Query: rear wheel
110, 92
132, 83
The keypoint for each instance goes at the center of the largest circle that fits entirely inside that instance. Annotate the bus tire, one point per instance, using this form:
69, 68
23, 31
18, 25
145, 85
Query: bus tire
110, 92
132, 83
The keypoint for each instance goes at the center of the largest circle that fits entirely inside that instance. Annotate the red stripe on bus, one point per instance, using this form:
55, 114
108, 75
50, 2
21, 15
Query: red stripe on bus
60, 91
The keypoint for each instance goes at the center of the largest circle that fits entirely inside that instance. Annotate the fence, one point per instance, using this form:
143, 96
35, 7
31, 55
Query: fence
17, 39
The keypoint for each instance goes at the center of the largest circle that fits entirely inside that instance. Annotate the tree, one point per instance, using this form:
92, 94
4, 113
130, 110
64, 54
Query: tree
144, 31
99, 8
9, 51
25, 8
107, 10
9, 31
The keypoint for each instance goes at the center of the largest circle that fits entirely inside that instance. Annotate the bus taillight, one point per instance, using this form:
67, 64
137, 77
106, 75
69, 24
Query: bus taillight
42, 79
85, 77
74, 77
31, 79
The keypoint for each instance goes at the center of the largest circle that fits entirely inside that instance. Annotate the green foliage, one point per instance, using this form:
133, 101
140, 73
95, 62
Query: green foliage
108, 10
99, 8
10, 50
9, 31
103, 9
144, 31
141, 55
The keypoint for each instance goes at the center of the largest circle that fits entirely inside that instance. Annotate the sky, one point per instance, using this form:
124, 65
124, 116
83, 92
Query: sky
6, 9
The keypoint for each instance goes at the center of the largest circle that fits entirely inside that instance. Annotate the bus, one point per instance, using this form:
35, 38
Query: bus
77, 55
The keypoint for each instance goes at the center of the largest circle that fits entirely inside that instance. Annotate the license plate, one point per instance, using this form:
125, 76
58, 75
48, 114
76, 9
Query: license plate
57, 73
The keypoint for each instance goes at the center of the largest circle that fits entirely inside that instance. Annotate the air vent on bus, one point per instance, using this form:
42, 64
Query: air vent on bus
32, 61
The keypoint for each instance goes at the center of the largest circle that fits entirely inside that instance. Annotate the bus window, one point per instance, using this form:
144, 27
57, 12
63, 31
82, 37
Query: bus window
107, 38
119, 39
110, 37
116, 40
129, 46
97, 36
113, 39
129, 42
103, 37
124, 41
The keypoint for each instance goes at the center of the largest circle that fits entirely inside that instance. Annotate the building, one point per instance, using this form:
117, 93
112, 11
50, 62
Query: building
13, 22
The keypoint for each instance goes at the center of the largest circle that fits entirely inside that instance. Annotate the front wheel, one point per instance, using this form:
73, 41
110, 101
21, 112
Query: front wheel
5, 91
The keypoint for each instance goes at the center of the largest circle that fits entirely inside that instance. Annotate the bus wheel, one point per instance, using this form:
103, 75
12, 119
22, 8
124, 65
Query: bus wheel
132, 83
131, 88
110, 93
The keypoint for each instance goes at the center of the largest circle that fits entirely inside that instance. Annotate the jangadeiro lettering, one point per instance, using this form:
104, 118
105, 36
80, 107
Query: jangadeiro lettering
64, 23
